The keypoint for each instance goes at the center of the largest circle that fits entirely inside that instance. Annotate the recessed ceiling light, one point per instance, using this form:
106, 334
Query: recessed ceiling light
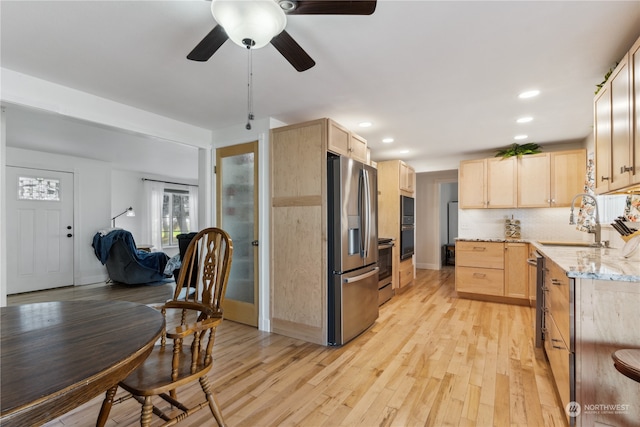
404, 151
529, 94
365, 124
387, 140
519, 137
524, 119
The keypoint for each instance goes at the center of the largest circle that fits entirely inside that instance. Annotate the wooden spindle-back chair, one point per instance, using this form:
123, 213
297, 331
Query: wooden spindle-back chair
196, 313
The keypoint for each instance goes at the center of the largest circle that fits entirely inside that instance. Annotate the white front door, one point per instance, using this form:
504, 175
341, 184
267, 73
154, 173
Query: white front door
39, 229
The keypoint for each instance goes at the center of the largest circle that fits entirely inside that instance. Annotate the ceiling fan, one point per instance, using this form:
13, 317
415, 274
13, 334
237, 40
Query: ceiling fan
243, 22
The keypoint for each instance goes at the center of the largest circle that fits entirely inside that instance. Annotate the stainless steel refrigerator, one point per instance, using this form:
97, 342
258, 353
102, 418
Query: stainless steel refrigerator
353, 248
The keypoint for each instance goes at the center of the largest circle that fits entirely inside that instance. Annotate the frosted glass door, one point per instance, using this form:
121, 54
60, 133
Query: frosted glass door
237, 214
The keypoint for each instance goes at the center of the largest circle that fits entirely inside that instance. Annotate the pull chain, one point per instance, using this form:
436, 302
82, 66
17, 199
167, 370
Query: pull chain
250, 89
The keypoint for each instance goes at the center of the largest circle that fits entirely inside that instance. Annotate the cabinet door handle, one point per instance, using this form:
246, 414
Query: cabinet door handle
479, 275
626, 168
604, 178
479, 248
555, 340
556, 282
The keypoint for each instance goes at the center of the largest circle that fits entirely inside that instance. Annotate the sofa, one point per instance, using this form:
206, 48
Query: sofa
116, 249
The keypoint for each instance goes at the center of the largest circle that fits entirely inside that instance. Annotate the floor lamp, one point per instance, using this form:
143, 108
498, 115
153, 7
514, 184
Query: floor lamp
129, 211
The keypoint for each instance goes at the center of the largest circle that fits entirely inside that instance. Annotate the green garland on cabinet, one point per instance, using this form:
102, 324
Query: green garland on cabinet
519, 150
606, 77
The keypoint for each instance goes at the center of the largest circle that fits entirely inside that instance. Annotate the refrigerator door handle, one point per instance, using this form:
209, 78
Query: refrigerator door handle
368, 199
362, 211
361, 276
365, 212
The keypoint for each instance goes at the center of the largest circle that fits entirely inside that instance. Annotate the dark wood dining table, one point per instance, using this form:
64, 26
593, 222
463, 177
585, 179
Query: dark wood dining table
55, 356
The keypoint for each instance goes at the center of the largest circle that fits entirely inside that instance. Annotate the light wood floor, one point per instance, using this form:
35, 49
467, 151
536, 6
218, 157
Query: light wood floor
431, 359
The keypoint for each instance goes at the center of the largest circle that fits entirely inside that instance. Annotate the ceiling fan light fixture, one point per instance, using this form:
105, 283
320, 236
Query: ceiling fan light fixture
256, 20
288, 5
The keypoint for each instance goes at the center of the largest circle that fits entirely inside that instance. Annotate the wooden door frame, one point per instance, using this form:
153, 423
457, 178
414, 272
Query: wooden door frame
236, 307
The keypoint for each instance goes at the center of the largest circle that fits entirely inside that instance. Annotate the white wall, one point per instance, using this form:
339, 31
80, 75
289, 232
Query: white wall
428, 217
448, 193
22, 89
92, 207
3, 214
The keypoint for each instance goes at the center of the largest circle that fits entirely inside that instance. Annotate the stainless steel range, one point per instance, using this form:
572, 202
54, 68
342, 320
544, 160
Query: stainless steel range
385, 274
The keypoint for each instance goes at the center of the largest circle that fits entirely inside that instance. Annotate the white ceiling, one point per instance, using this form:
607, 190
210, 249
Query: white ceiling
441, 78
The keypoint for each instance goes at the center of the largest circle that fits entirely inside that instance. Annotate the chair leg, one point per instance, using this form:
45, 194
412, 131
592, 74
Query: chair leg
213, 403
147, 410
106, 406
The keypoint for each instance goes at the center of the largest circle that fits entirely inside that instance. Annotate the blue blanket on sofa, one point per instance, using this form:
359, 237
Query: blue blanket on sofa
102, 244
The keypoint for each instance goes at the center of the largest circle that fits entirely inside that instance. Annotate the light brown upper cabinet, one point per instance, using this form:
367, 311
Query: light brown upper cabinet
551, 179
617, 126
407, 178
487, 183
346, 143
532, 181
602, 135
472, 192
621, 148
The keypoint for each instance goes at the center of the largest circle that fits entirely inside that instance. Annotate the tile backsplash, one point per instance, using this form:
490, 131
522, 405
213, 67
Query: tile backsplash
535, 224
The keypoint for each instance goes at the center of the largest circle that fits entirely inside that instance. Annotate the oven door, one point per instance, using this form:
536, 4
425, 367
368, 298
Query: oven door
385, 259
407, 241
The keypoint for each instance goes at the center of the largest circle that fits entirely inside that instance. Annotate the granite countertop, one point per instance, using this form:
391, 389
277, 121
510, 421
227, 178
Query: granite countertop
594, 263
586, 262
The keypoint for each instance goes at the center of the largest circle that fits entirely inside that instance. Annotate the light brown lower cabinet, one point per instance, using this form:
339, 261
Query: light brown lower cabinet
493, 270
559, 330
406, 272
586, 320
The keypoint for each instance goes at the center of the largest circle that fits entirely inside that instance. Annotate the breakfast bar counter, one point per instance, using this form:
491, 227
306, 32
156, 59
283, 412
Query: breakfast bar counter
594, 263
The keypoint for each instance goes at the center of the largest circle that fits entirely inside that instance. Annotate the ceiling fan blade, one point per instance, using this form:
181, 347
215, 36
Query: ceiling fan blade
291, 50
208, 45
334, 7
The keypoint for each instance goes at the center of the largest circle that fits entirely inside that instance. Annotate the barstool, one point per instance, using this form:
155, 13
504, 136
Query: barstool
627, 362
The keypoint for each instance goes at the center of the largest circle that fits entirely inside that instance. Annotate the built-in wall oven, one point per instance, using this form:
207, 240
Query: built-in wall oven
407, 226
385, 272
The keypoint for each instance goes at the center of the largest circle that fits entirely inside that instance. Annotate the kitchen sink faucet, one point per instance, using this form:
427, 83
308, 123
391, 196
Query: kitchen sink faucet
595, 229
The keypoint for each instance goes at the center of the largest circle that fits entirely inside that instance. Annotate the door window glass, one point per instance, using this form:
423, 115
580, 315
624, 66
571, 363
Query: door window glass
237, 203
33, 188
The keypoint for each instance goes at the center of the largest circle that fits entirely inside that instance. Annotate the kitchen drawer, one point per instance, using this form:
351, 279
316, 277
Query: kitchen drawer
486, 281
480, 254
559, 359
405, 272
557, 299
